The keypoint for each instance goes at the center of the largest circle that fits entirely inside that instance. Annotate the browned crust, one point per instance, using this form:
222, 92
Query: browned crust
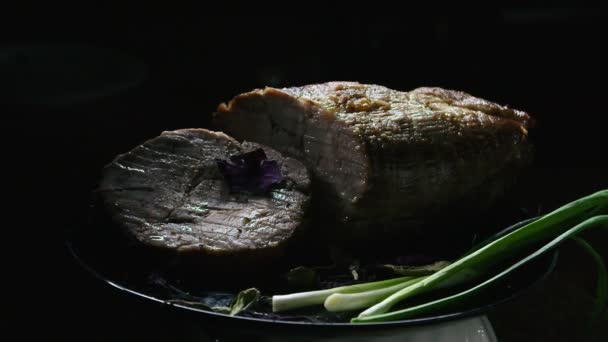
466, 100
269, 91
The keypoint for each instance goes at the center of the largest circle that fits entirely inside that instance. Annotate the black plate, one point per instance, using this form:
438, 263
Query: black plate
145, 284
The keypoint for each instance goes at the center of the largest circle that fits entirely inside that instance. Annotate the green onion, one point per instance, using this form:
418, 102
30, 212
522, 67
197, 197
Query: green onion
490, 255
601, 220
380, 297
353, 301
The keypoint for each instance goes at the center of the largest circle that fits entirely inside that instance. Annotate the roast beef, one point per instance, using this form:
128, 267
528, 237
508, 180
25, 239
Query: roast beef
388, 160
169, 193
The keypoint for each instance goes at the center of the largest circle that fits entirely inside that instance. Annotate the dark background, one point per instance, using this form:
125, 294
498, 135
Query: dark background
79, 86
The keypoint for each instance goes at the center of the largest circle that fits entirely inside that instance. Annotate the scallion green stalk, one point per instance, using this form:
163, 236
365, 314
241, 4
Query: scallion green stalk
302, 299
360, 300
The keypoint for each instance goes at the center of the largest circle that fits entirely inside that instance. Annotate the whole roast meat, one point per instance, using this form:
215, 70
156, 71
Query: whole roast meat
387, 161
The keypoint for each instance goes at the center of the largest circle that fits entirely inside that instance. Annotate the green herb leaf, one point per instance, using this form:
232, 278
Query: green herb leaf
244, 300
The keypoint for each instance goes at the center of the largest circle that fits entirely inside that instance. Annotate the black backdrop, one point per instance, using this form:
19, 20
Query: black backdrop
167, 66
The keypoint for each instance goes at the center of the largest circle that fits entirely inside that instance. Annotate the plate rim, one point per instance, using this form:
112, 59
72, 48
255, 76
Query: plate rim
398, 323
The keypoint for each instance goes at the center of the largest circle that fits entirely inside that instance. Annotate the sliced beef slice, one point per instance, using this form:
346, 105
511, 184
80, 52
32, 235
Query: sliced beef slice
388, 160
169, 193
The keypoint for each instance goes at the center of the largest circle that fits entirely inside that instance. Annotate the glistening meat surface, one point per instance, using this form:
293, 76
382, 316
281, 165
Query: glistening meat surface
388, 160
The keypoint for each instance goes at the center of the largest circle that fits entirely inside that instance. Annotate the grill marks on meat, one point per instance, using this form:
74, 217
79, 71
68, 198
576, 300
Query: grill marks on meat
387, 156
169, 193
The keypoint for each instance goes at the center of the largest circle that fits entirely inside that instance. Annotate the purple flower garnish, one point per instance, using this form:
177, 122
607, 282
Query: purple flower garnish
250, 172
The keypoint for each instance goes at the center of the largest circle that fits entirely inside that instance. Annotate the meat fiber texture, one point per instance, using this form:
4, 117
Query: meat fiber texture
386, 160
168, 193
